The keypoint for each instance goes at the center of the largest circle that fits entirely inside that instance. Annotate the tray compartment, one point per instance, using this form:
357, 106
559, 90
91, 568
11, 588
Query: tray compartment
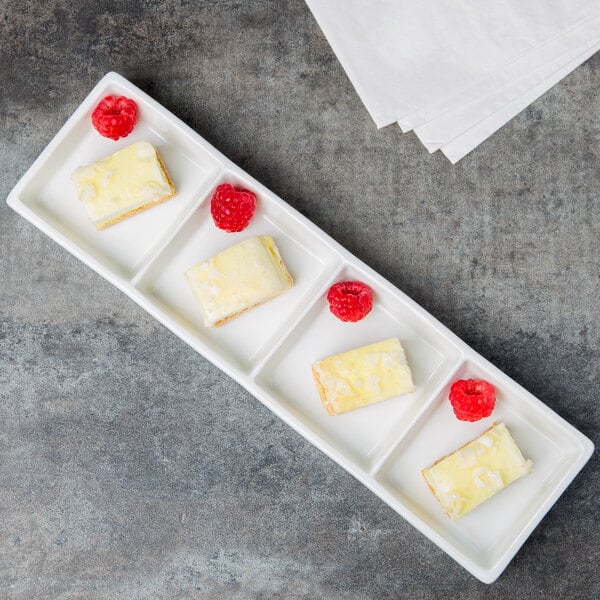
367, 432
246, 339
50, 194
486, 535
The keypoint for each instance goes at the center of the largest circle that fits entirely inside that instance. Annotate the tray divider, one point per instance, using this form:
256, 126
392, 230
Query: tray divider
148, 260
326, 281
388, 450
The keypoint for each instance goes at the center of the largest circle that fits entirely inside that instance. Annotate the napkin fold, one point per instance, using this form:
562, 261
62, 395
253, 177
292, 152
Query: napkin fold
454, 68
508, 83
460, 146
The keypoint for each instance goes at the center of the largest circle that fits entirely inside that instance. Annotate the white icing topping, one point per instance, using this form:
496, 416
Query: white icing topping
467, 457
484, 477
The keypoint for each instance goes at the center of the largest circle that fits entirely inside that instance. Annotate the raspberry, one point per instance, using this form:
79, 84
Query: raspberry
232, 209
115, 117
350, 300
472, 399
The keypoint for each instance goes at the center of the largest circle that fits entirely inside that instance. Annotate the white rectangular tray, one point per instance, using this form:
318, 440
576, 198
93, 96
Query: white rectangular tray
269, 350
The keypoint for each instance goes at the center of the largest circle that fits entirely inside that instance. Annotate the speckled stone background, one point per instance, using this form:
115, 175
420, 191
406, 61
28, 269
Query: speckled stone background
132, 468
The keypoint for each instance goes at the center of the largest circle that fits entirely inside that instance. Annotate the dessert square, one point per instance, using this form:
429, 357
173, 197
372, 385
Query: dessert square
363, 376
238, 279
123, 184
476, 471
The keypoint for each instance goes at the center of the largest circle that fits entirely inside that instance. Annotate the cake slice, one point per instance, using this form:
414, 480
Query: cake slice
363, 376
238, 279
476, 471
123, 184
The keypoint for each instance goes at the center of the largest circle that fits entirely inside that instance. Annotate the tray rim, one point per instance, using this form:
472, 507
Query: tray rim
249, 380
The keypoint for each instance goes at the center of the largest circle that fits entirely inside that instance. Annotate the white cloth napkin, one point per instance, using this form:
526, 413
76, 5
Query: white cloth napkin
445, 66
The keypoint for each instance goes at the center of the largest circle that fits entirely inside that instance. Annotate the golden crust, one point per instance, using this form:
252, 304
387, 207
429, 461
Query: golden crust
446, 456
324, 399
135, 211
161, 163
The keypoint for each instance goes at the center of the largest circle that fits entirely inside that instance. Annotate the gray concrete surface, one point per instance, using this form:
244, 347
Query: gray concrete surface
132, 468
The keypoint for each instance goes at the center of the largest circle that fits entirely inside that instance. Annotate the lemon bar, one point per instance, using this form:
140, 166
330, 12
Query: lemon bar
123, 184
476, 471
363, 376
238, 279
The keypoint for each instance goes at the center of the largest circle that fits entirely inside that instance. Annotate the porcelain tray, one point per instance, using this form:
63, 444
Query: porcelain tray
269, 350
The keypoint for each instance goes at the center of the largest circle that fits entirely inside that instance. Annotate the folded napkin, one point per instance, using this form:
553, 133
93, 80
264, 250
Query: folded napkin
445, 66
508, 83
460, 146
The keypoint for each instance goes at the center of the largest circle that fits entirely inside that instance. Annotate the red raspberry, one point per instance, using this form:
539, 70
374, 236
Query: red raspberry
350, 300
472, 399
232, 209
115, 117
